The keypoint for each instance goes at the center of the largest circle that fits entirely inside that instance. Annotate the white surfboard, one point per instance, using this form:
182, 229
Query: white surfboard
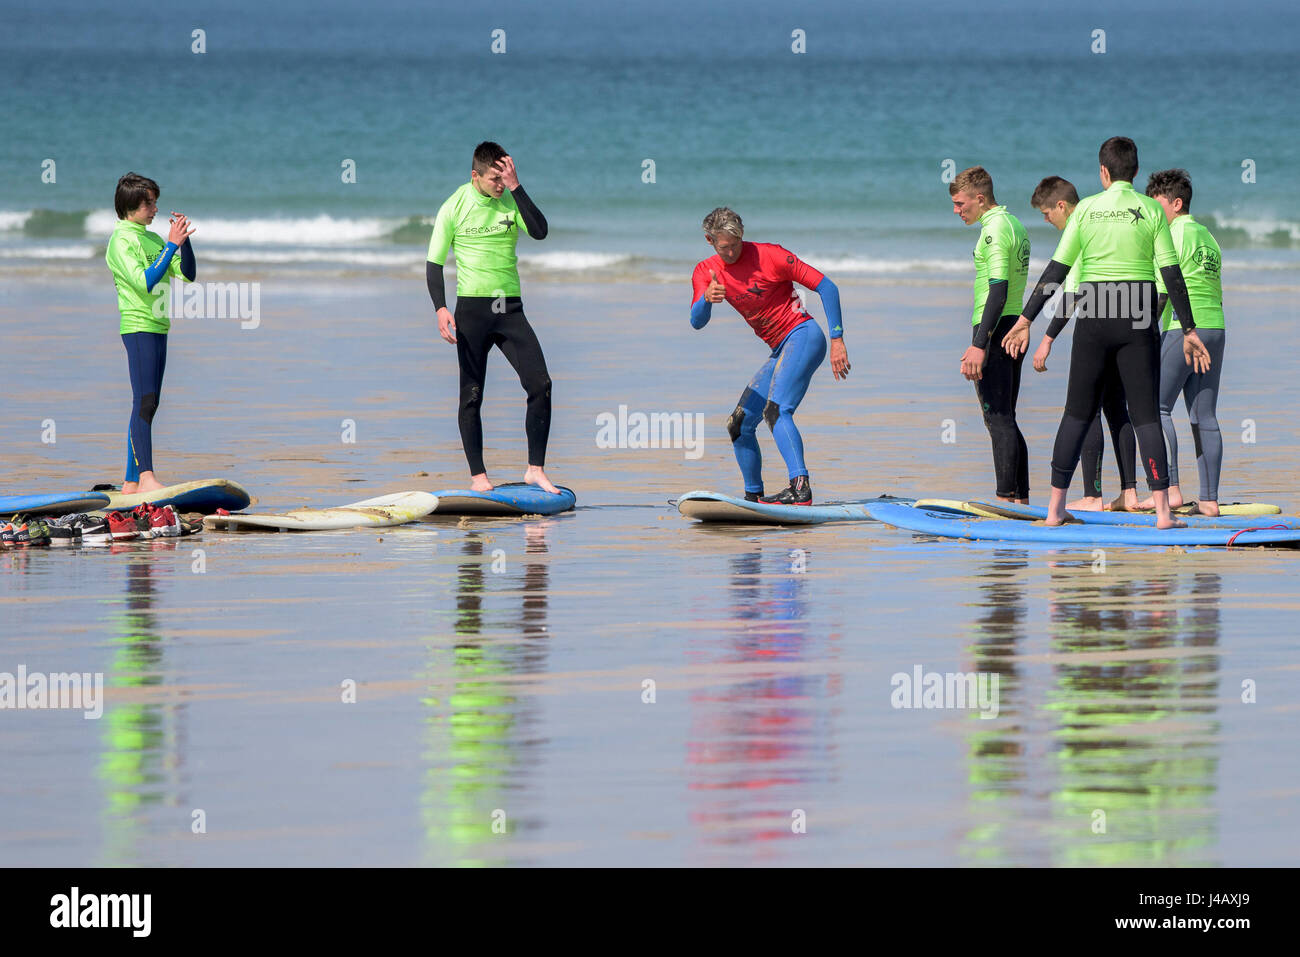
397, 508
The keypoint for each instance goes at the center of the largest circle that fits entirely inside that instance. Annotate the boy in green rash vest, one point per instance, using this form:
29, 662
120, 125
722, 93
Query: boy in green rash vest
1001, 267
1056, 197
1201, 261
481, 221
1120, 239
139, 260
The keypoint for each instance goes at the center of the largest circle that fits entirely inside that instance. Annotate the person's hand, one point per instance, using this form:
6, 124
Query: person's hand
716, 291
181, 229
1040, 356
446, 325
839, 359
1194, 352
1016, 342
508, 174
972, 363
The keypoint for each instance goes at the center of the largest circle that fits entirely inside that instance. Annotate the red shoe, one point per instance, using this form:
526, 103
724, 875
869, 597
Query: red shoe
122, 527
163, 522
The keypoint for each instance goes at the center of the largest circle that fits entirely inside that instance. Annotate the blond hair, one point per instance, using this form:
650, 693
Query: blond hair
723, 220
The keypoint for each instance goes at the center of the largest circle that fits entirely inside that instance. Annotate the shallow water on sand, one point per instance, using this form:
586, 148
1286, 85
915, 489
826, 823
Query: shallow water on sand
500, 666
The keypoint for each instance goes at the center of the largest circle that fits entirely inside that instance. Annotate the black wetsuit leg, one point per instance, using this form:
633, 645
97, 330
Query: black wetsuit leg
998, 390
478, 329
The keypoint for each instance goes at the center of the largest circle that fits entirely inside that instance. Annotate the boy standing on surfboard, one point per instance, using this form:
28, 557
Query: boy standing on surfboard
1200, 259
756, 278
138, 260
1121, 240
1001, 268
481, 221
1056, 198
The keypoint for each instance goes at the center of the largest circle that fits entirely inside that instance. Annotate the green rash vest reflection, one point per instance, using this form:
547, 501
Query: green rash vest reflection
483, 231
1116, 236
131, 250
1001, 253
1202, 263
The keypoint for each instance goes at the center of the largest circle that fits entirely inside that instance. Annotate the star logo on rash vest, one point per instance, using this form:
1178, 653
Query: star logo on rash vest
755, 290
1137, 215
507, 222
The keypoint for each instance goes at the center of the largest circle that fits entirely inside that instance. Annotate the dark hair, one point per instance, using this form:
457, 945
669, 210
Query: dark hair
1052, 190
1171, 184
132, 190
1119, 155
486, 154
974, 180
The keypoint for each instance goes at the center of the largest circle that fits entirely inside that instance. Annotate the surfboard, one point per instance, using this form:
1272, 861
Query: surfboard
725, 509
965, 508
385, 510
1034, 513
205, 495
513, 498
1235, 508
954, 525
54, 503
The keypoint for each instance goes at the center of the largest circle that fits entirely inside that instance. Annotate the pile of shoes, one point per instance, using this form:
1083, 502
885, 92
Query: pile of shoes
143, 521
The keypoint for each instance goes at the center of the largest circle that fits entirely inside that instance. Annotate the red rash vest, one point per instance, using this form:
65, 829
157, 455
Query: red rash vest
760, 287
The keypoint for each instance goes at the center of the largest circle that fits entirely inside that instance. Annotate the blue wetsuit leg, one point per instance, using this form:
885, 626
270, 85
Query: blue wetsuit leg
797, 358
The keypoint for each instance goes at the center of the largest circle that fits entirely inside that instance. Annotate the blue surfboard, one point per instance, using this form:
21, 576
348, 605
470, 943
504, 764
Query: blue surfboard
726, 509
954, 525
513, 498
56, 503
205, 495
1034, 513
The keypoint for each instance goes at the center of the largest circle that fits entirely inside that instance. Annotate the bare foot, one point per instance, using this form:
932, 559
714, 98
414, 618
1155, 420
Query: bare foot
1089, 503
130, 488
535, 476
1171, 523
480, 483
148, 483
1206, 508
1126, 501
1175, 499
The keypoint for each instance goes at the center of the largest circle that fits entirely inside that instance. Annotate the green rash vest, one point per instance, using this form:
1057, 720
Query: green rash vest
1001, 252
1116, 236
131, 250
1201, 262
483, 231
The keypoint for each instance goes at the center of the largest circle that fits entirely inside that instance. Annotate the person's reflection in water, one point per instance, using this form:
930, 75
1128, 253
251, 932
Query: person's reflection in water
752, 743
1137, 749
479, 747
143, 744
997, 760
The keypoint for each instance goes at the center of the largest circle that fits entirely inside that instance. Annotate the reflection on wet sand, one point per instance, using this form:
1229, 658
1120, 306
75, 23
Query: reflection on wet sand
143, 748
479, 747
752, 744
1119, 737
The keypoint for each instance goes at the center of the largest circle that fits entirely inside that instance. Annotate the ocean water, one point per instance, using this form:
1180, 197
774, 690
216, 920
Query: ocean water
838, 152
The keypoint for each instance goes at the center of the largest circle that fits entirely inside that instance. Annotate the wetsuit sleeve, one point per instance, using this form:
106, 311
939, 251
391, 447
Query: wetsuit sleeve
993, 306
701, 308
189, 267
1177, 286
534, 221
443, 230
437, 286
1063, 309
158, 268
1048, 283
830, 294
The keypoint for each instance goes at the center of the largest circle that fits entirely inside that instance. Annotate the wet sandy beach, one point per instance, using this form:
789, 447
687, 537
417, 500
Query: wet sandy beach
500, 666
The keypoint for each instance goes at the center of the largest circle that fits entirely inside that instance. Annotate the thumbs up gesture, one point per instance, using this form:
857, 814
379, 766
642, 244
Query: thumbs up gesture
716, 291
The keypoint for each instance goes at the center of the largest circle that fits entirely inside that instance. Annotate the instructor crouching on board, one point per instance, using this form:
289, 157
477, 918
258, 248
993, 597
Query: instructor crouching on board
481, 222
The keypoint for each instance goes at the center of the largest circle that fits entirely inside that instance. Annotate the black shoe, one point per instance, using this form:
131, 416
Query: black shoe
799, 492
753, 496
